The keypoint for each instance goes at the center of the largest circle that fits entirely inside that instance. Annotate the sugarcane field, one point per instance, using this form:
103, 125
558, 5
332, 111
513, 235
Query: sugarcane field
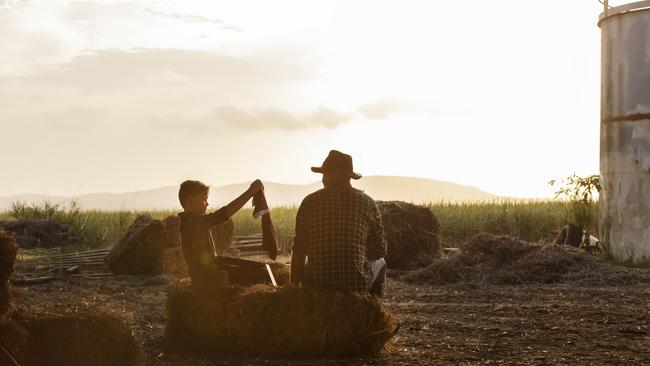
324, 183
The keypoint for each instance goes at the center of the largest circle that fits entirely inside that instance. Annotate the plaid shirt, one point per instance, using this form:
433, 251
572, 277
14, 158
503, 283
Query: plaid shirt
339, 228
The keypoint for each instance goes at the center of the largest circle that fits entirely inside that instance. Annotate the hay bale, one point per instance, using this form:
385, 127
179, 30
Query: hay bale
8, 252
197, 318
291, 322
412, 233
14, 338
81, 339
286, 322
503, 260
5, 302
281, 272
140, 251
69, 339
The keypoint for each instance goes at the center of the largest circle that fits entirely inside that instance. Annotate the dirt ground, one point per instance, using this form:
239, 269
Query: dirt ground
459, 324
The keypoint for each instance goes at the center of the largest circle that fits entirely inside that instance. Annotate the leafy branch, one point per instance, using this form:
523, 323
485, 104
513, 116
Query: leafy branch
578, 193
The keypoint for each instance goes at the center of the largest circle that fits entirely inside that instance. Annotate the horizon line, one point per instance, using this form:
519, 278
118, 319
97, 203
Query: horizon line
236, 183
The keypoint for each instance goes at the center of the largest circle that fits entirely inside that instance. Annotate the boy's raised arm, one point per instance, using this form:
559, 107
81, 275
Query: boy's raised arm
240, 201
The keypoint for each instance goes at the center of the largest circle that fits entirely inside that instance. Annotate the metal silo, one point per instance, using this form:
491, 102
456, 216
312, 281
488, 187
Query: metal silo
625, 130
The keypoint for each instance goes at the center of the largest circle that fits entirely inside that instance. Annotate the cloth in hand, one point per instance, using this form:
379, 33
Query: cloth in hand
269, 238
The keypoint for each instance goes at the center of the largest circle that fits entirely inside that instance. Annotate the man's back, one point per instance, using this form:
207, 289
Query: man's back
340, 229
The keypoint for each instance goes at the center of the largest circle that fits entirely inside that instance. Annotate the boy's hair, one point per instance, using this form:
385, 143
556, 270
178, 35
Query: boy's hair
190, 188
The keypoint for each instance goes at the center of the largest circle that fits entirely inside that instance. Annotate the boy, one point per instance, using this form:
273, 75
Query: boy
196, 238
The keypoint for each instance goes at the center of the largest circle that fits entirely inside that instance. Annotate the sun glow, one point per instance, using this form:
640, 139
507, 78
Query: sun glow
503, 96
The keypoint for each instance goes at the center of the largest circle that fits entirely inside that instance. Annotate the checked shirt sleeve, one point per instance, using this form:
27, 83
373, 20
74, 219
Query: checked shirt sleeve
216, 218
376, 242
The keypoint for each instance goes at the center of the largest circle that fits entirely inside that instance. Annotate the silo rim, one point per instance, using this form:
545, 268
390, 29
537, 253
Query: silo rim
623, 9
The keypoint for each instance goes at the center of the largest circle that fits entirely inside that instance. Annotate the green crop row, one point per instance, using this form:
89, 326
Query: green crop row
536, 221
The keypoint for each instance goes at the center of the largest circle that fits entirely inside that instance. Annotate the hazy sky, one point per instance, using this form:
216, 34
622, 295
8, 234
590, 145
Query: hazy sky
111, 96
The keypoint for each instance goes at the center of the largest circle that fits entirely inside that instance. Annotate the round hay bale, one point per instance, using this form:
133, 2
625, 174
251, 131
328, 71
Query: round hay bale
278, 322
140, 251
82, 339
412, 233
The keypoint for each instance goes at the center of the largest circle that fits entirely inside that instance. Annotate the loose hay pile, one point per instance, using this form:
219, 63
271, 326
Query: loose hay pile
141, 249
42, 233
268, 321
503, 260
412, 233
173, 236
172, 257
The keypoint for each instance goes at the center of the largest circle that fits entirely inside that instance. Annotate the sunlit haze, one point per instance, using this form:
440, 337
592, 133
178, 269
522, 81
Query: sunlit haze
114, 96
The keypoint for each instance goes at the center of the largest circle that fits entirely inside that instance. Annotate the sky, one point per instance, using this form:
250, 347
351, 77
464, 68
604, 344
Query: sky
115, 96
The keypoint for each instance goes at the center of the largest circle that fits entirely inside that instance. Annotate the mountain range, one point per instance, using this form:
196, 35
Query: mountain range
417, 190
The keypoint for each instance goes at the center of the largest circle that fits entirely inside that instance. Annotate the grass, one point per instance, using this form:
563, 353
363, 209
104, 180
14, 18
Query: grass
101, 229
535, 221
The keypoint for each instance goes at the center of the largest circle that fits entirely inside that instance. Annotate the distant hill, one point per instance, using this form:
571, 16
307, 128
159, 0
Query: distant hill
418, 190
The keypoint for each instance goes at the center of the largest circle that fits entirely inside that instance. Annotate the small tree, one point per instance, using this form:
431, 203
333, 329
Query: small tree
578, 193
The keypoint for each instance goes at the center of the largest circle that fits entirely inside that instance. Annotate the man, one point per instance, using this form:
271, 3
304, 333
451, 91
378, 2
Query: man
339, 231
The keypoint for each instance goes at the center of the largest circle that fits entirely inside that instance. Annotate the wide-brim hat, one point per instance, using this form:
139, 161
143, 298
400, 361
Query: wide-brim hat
337, 162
